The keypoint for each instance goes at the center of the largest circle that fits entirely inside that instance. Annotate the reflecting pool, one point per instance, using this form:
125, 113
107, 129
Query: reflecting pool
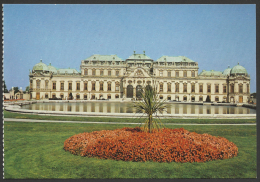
124, 107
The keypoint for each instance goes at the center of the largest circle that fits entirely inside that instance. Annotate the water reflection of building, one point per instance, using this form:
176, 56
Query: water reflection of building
110, 77
113, 107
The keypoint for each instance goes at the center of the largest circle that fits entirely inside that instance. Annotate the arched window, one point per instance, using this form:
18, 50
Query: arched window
109, 86
161, 87
101, 86
85, 86
241, 88
93, 86
201, 88
192, 87
176, 87
169, 87
185, 87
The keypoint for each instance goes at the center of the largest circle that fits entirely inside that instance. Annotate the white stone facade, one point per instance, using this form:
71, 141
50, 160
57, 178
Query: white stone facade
110, 77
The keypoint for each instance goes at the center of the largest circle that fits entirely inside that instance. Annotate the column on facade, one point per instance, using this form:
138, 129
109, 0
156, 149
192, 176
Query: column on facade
97, 86
173, 87
180, 87
81, 86
113, 86
42, 83
165, 87
236, 87
105, 86
189, 89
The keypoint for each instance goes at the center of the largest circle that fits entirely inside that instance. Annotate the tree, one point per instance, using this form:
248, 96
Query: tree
208, 98
150, 104
27, 89
5, 89
16, 89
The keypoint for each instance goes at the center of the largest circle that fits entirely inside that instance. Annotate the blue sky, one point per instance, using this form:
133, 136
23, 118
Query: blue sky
215, 36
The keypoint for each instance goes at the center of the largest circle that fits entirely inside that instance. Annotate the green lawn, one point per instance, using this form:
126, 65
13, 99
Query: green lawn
35, 150
8, 114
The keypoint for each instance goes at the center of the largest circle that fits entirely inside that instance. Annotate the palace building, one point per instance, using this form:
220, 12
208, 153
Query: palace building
110, 77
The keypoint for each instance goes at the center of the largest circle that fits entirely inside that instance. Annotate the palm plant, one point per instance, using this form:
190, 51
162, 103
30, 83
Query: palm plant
150, 104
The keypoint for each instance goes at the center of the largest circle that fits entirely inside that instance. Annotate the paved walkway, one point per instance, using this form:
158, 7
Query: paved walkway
56, 121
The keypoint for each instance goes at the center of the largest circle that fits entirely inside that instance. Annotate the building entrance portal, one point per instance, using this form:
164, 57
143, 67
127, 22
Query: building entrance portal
129, 91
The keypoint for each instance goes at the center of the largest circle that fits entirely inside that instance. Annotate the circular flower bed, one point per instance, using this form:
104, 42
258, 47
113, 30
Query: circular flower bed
165, 145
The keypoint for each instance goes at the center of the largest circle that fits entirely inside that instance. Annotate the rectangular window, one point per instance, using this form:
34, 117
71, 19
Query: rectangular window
193, 74
169, 87
93, 72
78, 86
101, 72
224, 89
185, 74
209, 88
46, 84
86, 86
109, 73
185, 88
169, 74
216, 88
176, 87
177, 74
240, 88
231, 88
247, 88
70, 86
193, 88
109, 86
38, 84
117, 73
201, 88
46, 96
54, 85
161, 87
94, 86
86, 72
61, 86
101, 87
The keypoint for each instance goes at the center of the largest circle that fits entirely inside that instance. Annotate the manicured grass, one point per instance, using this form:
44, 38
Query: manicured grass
8, 114
35, 150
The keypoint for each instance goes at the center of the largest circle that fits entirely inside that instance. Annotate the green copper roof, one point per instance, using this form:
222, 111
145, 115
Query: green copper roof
97, 57
52, 68
210, 73
238, 70
40, 67
226, 71
174, 59
139, 56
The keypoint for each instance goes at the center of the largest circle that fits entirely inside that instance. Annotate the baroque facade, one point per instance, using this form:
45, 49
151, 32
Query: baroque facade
110, 77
